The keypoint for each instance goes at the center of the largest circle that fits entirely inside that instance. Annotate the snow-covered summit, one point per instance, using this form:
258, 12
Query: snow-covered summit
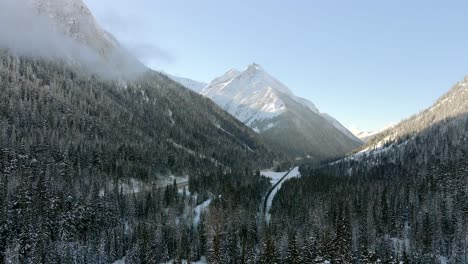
293, 124
251, 95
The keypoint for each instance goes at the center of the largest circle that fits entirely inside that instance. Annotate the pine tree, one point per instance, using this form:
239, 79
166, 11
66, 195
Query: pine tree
342, 241
268, 254
293, 252
367, 257
310, 250
214, 251
4, 214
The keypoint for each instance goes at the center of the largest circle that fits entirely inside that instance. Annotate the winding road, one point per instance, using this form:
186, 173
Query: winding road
267, 196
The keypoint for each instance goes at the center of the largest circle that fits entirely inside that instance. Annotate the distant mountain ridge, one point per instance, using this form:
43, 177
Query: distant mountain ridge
188, 83
364, 135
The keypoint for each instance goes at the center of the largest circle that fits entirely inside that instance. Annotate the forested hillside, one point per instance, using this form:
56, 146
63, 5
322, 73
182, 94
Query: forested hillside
135, 122
408, 202
72, 143
450, 105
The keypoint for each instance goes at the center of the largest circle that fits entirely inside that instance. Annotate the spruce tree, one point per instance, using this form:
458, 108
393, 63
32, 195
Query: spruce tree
268, 254
294, 255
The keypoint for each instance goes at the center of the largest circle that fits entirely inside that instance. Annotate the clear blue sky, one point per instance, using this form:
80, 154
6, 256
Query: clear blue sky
367, 63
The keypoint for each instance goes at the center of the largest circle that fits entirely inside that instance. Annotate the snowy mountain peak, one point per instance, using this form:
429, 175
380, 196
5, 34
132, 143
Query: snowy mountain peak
291, 123
251, 95
256, 98
224, 79
232, 72
254, 67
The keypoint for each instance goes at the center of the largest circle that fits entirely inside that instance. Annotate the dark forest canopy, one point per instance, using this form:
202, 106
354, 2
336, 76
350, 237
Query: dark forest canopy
71, 143
408, 203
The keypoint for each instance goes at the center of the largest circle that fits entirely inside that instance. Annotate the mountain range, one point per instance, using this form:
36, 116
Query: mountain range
289, 124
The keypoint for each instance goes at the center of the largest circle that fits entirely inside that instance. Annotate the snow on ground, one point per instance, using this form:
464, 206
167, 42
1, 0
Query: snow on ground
129, 186
133, 185
269, 126
201, 261
120, 261
169, 180
443, 260
273, 175
193, 153
400, 245
375, 151
187, 192
199, 209
293, 174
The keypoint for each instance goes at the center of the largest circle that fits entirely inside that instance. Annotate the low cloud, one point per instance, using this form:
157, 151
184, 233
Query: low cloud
149, 52
24, 32
132, 30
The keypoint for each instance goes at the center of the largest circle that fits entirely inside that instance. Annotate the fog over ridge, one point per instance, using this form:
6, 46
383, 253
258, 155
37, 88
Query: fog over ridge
24, 31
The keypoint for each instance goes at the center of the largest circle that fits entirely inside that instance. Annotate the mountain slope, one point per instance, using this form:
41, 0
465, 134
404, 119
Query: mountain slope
409, 179
153, 122
64, 30
396, 194
450, 105
169, 128
365, 135
290, 123
188, 83
340, 127
73, 18
251, 95
83, 155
